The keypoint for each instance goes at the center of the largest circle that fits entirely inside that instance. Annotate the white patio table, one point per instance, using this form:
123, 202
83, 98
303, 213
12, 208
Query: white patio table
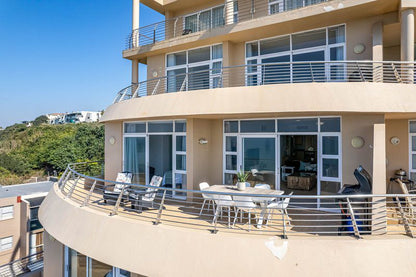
262, 201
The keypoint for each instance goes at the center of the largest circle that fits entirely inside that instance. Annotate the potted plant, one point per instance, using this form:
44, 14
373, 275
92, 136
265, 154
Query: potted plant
242, 179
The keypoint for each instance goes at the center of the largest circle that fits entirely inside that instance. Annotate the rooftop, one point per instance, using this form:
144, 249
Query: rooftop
25, 189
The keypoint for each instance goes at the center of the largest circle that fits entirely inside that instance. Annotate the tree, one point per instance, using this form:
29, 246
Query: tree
40, 120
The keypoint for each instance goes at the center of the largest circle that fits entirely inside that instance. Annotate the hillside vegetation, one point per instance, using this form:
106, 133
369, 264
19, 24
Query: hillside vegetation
40, 150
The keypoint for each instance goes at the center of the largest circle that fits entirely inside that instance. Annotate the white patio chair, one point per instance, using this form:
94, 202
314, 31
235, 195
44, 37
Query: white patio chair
222, 201
262, 186
278, 205
207, 197
147, 197
112, 195
243, 204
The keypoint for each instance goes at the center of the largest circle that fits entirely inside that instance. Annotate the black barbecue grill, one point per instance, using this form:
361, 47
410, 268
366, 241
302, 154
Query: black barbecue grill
364, 186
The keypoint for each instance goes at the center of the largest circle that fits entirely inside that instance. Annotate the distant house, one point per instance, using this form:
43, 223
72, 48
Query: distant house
82, 116
55, 118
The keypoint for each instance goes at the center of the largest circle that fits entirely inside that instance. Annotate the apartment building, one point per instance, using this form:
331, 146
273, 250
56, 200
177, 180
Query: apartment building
303, 94
21, 233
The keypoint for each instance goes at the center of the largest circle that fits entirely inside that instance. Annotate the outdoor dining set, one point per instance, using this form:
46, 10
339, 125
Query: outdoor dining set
259, 201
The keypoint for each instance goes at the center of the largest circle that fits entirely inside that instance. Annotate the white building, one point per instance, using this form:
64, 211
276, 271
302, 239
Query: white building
82, 116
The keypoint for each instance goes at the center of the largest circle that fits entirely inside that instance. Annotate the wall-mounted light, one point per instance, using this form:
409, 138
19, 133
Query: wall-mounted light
112, 140
203, 141
357, 142
359, 48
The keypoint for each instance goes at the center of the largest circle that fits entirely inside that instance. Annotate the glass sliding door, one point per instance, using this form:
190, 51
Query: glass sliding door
330, 170
259, 155
135, 158
160, 159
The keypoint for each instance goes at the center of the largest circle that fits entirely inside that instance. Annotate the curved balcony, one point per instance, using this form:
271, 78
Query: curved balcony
130, 234
274, 73
230, 13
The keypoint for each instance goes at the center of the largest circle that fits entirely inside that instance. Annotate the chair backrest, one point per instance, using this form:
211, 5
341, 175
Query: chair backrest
223, 200
151, 192
286, 201
262, 186
122, 177
204, 186
244, 201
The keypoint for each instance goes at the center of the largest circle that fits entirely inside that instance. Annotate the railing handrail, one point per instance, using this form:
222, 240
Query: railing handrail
336, 196
319, 71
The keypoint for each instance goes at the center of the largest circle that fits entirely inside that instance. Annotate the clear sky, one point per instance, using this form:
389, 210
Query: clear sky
63, 55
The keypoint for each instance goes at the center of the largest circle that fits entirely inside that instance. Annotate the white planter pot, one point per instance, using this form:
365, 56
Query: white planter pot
241, 185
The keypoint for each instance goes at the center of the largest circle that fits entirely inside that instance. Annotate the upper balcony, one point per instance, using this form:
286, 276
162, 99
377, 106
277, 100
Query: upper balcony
234, 18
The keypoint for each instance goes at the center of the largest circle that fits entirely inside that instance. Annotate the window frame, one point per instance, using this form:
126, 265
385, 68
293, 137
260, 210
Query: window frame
3, 213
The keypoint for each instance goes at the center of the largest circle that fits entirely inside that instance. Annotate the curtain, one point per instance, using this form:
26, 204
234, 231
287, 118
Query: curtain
134, 157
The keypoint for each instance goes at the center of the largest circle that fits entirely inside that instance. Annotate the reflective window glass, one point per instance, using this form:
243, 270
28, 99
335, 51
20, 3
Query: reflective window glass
257, 126
230, 126
231, 144
252, 49
217, 52
275, 45
412, 126
298, 125
134, 128
156, 127
230, 162
181, 162
331, 124
336, 35
309, 39
176, 59
330, 145
199, 55
330, 168
180, 126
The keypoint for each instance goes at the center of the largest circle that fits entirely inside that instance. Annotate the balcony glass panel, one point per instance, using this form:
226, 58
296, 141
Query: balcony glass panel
181, 143
199, 55
231, 127
257, 126
330, 168
276, 45
217, 51
309, 72
191, 23
412, 126
180, 126
198, 77
276, 73
309, 39
218, 17
176, 59
330, 145
336, 35
297, 125
331, 124
252, 49
175, 79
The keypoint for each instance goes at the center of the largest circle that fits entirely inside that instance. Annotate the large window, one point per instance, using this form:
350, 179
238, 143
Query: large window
79, 265
6, 243
253, 144
204, 20
297, 57
6, 212
156, 148
194, 69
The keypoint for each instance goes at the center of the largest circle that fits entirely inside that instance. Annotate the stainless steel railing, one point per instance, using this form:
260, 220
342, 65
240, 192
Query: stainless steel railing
19, 267
229, 13
274, 73
358, 215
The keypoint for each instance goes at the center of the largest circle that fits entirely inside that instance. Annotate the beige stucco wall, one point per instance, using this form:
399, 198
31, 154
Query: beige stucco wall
53, 256
357, 125
397, 155
113, 153
191, 252
12, 227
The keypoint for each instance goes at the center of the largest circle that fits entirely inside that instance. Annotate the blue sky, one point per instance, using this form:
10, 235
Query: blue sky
63, 55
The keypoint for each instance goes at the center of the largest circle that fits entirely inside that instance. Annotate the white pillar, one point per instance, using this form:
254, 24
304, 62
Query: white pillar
136, 14
378, 52
407, 43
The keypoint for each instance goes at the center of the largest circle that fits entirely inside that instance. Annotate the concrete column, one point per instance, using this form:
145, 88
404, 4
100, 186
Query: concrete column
134, 71
379, 217
378, 52
135, 23
407, 42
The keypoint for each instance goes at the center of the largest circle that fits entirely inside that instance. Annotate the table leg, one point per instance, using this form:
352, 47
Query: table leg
263, 206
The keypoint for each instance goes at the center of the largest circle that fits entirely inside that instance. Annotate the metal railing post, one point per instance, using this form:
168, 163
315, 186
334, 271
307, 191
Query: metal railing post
284, 235
185, 80
87, 198
310, 68
406, 224
159, 212
71, 190
156, 87
354, 222
115, 210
